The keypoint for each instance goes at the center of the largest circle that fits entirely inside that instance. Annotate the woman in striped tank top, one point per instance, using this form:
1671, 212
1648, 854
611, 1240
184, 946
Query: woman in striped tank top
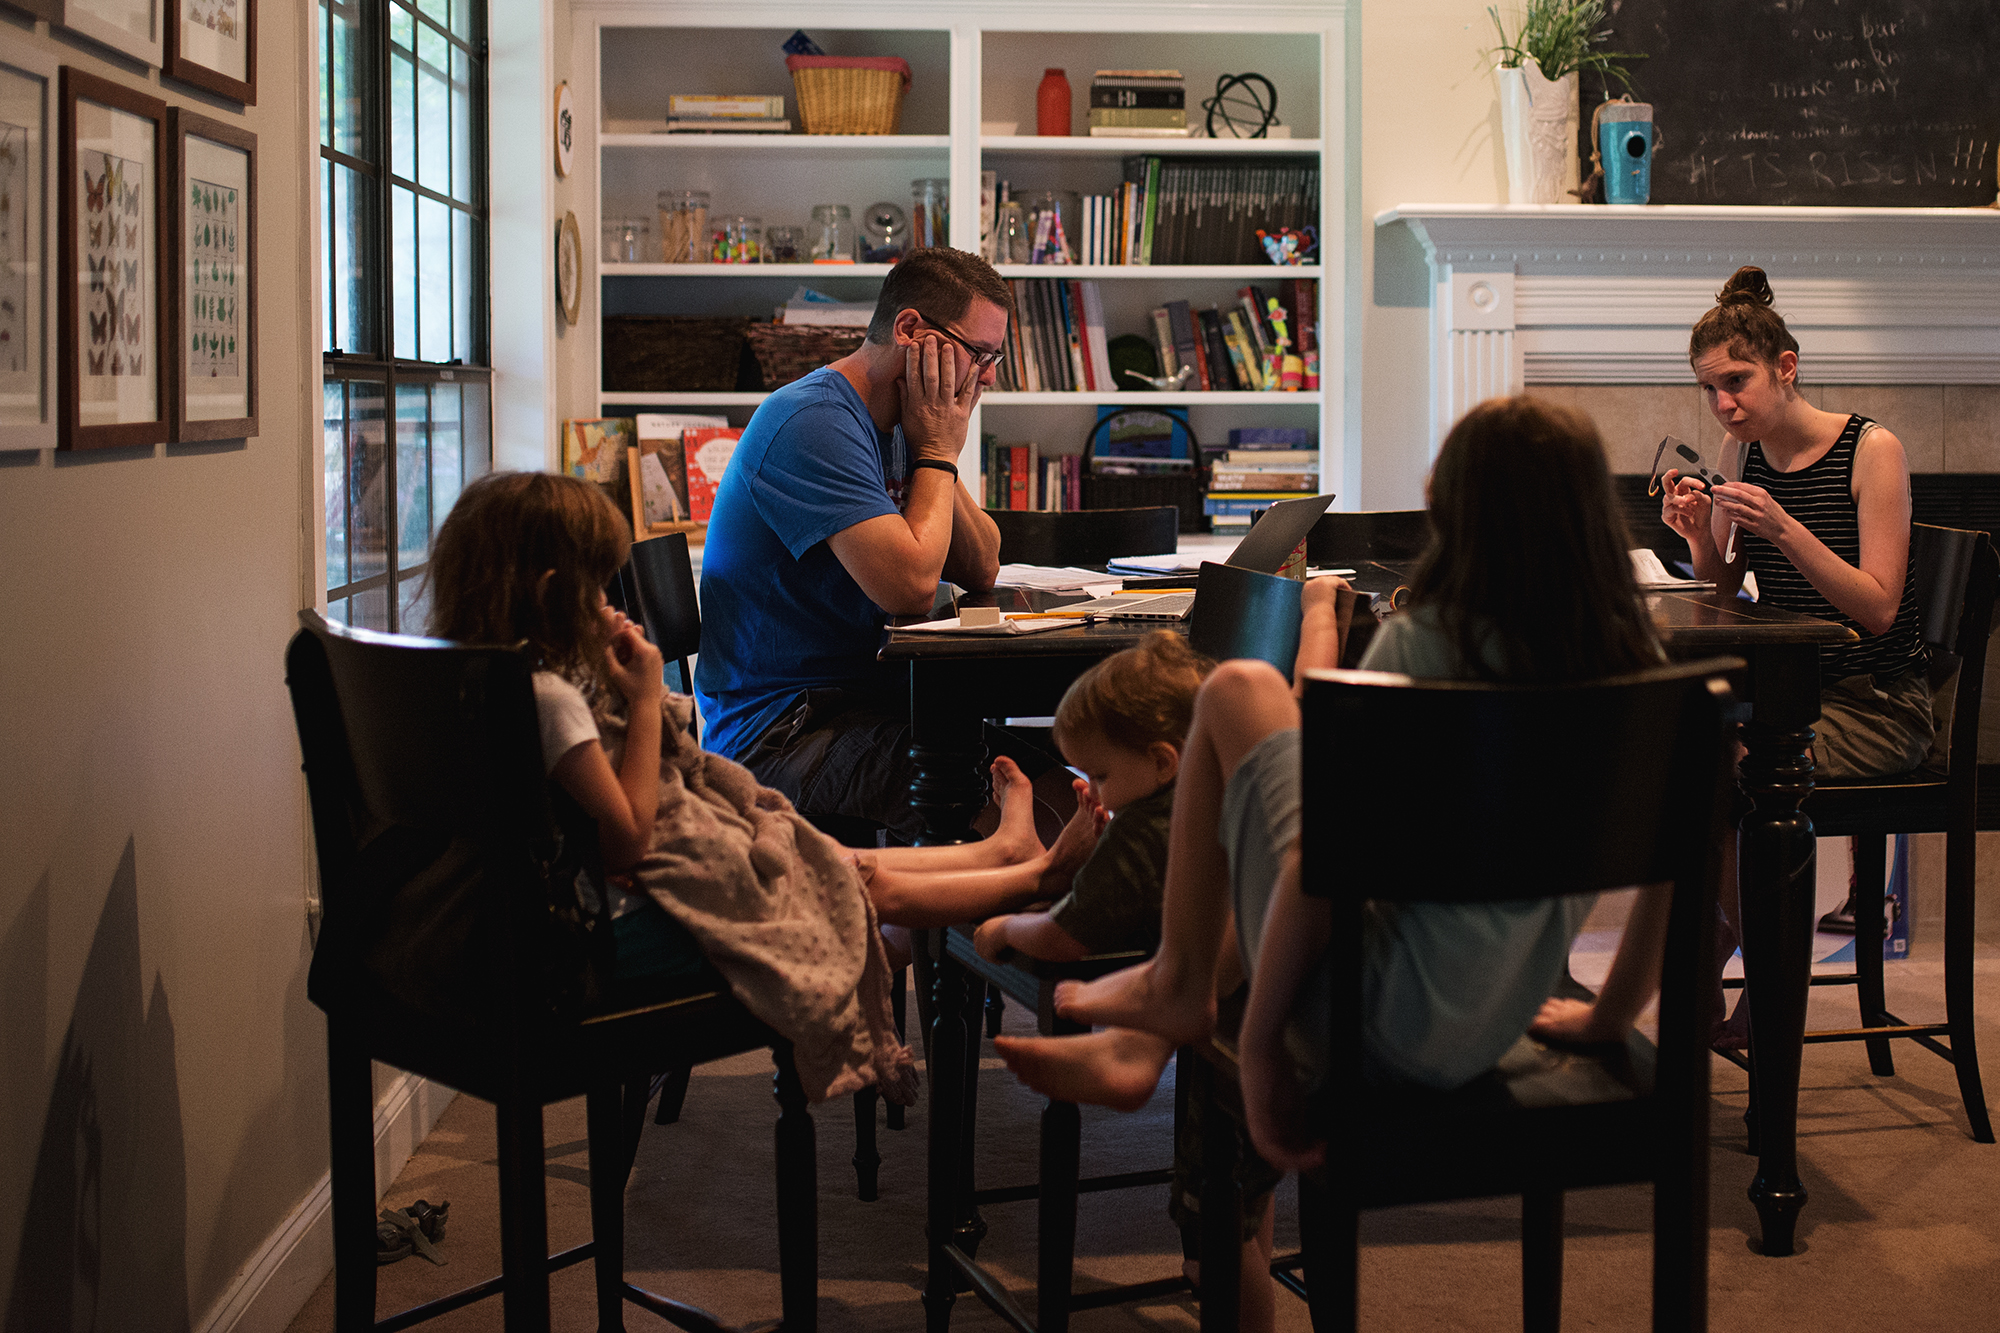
1818, 507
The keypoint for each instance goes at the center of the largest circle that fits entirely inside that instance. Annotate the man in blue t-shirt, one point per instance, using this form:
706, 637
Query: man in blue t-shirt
842, 506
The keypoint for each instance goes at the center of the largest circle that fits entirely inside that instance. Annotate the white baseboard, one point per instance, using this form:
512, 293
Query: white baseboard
271, 1289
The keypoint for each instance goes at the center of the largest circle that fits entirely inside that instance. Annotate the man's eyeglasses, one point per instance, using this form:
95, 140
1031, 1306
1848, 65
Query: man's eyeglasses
980, 360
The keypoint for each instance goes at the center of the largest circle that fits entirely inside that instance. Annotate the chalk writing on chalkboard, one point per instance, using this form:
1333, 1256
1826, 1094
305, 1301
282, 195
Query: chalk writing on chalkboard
1857, 103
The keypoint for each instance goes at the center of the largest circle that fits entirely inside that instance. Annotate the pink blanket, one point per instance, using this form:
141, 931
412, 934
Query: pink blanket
779, 910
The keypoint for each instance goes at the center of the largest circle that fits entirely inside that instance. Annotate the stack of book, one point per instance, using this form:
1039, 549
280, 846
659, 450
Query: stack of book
1232, 348
1056, 342
1138, 104
733, 113
1019, 477
1261, 466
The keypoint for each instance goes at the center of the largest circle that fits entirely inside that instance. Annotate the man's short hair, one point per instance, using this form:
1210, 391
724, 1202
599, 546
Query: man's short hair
940, 284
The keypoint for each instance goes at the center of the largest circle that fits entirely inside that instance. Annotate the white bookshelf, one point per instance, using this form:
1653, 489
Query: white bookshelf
970, 65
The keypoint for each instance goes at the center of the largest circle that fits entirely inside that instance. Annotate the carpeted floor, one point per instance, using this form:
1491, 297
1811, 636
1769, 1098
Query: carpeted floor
1900, 1231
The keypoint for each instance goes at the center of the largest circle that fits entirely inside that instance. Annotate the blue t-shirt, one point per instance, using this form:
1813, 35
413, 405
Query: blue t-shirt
779, 613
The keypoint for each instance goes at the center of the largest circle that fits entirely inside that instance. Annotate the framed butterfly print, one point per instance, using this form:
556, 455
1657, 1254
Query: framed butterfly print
27, 278
113, 384
212, 278
212, 44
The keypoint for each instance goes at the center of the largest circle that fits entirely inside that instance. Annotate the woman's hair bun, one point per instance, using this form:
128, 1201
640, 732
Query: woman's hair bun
1746, 286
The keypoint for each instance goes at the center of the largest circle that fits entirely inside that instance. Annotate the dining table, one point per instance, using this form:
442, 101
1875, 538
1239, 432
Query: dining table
957, 682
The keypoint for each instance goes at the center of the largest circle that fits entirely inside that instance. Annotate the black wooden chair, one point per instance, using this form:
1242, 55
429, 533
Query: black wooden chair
1084, 536
1390, 535
466, 939
1475, 793
1241, 613
1956, 575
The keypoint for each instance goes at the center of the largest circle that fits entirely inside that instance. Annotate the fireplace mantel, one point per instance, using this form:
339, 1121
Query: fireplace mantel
1569, 294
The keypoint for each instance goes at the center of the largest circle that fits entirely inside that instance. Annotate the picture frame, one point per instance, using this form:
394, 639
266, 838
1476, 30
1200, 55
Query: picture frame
112, 380
128, 26
212, 44
29, 91
212, 278
50, 10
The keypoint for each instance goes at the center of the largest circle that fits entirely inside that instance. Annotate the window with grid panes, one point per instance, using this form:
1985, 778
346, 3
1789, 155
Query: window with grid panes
406, 391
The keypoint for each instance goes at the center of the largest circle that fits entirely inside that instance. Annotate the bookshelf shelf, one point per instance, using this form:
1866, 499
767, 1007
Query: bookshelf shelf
632, 398
1156, 272
816, 145
823, 272
1029, 143
1144, 398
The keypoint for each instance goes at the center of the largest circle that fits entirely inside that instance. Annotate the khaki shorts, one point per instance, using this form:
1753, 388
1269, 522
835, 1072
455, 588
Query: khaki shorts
1873, 726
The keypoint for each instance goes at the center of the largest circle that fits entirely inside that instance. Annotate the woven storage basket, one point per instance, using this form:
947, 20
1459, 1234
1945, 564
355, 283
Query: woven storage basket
787, 352
673, 353
1180, 489
849, 94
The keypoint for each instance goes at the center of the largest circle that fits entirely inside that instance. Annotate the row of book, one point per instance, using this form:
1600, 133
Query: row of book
1259, 343
738, 113
1057, 341
1018, 477
1260, 466
1204, 211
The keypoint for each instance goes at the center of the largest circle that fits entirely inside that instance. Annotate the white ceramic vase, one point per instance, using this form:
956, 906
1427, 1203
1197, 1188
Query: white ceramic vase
1538, 127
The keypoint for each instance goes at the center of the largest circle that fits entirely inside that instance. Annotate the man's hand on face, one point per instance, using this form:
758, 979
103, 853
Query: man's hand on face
940, 388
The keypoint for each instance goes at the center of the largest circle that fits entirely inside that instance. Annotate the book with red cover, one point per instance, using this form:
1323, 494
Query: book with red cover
1017, 473
708, 453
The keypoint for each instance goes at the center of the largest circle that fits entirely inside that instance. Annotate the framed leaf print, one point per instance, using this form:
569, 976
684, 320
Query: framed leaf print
212, 283
212, 44
131, 26
27, 278
113, 387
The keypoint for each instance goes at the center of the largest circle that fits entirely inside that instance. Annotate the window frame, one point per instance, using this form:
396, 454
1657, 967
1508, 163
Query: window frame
372, 168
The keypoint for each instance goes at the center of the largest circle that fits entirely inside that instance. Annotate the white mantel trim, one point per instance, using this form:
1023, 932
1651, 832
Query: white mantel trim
1568, 294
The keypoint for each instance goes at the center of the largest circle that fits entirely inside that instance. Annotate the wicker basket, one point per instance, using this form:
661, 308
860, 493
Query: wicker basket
849, 94
787, 352
673, 353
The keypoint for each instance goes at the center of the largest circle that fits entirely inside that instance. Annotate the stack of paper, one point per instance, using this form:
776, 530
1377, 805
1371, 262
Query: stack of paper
1139, 566
1053, 579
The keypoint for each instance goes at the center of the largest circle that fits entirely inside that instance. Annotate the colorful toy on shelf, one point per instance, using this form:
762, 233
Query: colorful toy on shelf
1282, 370
1290, 245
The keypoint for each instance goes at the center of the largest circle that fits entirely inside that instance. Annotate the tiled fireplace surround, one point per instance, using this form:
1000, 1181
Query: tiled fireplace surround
1897, 312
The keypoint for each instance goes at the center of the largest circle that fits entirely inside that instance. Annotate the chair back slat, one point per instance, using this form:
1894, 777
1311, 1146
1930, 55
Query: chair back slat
1941, 559
1084, 536
1469, 792
1242, 613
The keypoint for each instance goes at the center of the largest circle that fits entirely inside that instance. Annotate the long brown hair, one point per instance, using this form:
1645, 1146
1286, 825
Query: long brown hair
1528, 545
1137, 697
506, 532
1743, 321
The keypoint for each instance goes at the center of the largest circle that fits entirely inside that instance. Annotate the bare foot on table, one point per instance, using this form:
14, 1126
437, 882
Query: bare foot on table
1014, 840
1075, 844
1118, 1067
1139, 997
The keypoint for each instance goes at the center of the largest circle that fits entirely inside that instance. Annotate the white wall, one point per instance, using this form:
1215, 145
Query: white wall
1429, 134
161, 1087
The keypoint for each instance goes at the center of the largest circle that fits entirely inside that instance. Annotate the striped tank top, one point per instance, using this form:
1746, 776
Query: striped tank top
1821, 497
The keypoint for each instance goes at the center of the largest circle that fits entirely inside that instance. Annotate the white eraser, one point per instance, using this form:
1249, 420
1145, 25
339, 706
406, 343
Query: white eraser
973, 616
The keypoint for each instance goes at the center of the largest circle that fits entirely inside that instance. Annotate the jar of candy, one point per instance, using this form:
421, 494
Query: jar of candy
785, 245
684, 227
739, 240
833, 234
930, 212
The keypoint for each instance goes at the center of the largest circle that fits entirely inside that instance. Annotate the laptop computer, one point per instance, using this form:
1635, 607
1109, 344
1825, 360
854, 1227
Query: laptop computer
1265, 548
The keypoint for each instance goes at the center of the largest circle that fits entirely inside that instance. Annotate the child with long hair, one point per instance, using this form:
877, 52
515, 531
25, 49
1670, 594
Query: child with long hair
1526, 579
724, 869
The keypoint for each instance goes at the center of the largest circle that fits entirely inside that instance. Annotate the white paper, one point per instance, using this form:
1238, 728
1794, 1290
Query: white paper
1652, 576
1171, 563
1052, 579
952, 626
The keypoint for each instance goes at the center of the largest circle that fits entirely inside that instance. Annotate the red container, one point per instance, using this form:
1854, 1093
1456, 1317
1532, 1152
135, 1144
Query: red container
1052, 104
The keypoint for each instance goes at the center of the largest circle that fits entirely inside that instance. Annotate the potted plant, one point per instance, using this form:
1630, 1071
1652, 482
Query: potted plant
1536, 71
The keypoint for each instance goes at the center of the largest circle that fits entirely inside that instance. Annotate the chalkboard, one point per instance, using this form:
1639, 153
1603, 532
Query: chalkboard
1852, 103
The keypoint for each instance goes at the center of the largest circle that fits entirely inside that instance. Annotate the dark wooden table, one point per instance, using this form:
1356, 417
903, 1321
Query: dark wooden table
955, 683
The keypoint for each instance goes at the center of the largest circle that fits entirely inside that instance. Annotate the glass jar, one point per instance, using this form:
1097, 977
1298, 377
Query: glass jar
739, 240
1010, 234
930, 212
627, 241
785, 245
885, 233
684, 227
1052, 226
833, 234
